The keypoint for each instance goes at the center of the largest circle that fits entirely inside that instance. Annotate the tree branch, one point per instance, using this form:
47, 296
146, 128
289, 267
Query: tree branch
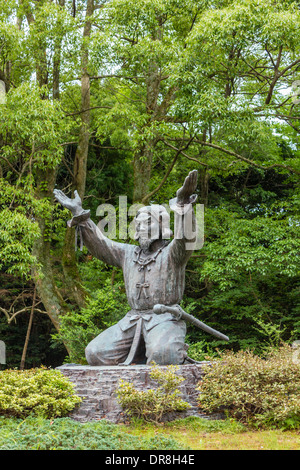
233, 154
275, 78
247, 160
10, 165
148, 196
184, 154
88, 109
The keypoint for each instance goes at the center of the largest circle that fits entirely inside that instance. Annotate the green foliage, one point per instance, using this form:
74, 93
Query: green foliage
153, 404
17, 235
34, 127
257, 246
38, 392
245, 280
67, 434
201, 350
254, 390
253, 314
31, 130
105, 308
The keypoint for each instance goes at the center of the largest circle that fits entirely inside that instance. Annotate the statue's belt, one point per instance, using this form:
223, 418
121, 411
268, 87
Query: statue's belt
140, 315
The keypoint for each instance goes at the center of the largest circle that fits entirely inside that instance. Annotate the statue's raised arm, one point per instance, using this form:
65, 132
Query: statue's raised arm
185, 194
185, 220
74, 205
97, 243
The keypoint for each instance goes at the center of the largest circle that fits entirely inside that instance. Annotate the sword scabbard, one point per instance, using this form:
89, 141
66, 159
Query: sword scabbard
179, 313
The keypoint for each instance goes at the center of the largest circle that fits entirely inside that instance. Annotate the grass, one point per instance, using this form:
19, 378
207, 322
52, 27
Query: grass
190, 433
201, 434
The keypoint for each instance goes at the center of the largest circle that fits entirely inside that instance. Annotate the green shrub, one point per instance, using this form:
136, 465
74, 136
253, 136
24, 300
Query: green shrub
254, 390
201, 351
38, 392
153, 404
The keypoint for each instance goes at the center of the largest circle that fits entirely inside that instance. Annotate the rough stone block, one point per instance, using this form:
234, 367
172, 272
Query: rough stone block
97, 386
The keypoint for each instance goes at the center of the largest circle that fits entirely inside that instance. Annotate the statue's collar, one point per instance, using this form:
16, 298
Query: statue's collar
144, 260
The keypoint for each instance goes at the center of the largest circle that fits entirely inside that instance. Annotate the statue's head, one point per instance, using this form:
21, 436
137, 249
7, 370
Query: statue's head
152, 223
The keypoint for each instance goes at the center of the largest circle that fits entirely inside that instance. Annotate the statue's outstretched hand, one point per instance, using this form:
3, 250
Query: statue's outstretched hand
74, 205
185, 193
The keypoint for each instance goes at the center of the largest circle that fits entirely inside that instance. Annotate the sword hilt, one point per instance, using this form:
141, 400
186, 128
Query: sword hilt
174, 309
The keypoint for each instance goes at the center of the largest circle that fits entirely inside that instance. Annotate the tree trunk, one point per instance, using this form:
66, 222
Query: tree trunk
142, 165
42, 273
81, 155
57, 61
142, 160
73, 282
204, 176
22, 364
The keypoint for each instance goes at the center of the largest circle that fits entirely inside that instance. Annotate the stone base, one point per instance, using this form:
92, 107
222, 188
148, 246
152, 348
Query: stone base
98, 384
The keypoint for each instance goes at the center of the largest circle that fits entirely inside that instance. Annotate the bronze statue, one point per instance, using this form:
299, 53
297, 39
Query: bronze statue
154, 273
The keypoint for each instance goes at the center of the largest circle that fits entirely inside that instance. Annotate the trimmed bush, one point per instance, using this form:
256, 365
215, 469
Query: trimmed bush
261, 391
151, 405
39, 392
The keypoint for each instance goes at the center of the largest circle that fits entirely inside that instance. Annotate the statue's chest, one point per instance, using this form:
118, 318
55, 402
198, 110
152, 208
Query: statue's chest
146, 274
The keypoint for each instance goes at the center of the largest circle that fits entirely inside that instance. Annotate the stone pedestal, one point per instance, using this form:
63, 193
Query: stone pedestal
97, 385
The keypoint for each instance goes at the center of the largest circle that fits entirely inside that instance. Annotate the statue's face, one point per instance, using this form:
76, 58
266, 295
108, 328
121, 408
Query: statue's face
147, 227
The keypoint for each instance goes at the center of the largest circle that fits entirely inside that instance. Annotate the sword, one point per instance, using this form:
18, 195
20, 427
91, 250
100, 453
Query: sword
179, 313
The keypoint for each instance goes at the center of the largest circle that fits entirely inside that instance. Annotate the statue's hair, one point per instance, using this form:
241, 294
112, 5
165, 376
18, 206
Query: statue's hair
161, 215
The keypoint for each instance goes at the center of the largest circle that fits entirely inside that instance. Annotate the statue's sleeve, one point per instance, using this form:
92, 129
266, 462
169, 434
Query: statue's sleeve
182, 246
97, 243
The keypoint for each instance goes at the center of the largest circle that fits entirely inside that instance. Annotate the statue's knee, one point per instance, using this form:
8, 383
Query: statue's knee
102, 352
91, 356
95, 354
165, 355
165, 344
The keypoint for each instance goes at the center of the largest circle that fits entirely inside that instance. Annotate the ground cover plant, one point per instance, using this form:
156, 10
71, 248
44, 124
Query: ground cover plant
67, 434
